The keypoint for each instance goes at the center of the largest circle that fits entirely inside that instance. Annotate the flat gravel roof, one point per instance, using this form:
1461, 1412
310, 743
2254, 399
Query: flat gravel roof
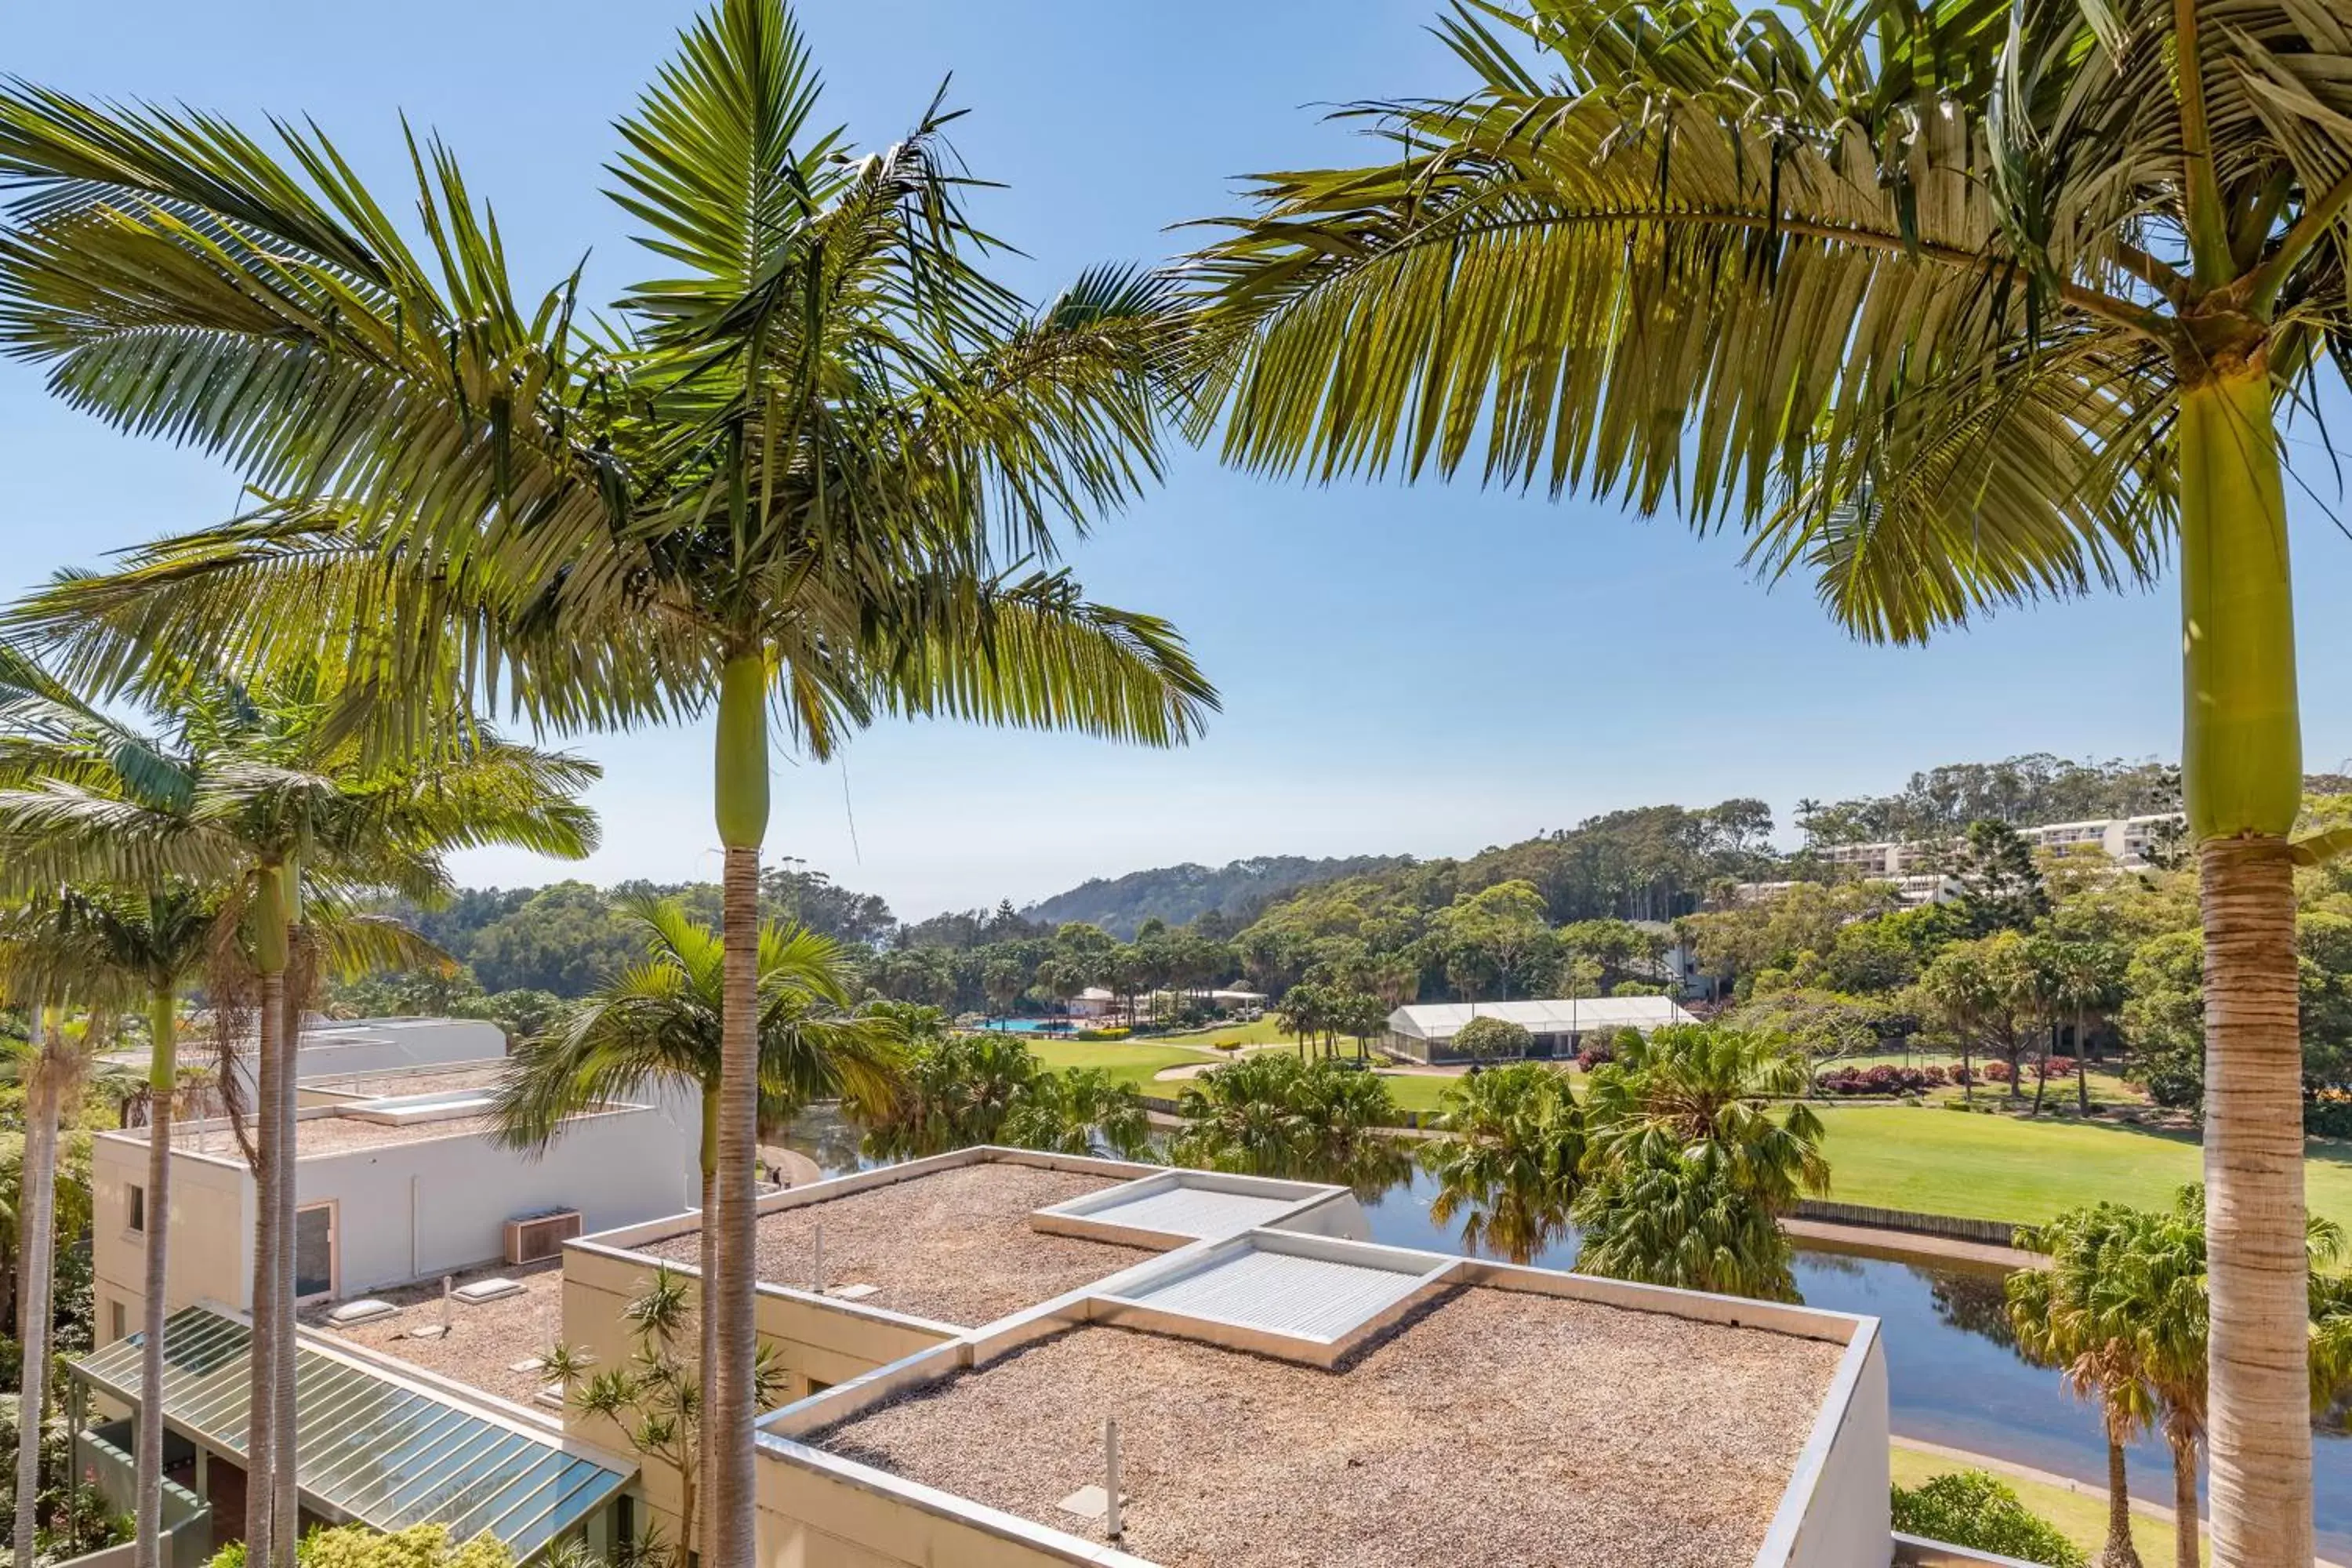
1493, 1429
954, 1246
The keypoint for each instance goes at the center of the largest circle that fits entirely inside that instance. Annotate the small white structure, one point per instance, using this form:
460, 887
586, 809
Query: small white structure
1237, 999
1094, 1002
1425, 1031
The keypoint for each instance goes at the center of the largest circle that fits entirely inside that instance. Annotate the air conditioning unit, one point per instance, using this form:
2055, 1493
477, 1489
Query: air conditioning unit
533, 1236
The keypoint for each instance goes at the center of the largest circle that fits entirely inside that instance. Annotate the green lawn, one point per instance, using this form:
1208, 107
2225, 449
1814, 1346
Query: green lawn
2001, 1167
1130, 1062
2082, 1515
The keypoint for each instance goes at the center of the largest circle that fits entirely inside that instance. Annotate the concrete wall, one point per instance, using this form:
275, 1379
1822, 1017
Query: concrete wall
409, 1211
864, 1528
404, 1211
212, 1224
813, 1343
1842, 1480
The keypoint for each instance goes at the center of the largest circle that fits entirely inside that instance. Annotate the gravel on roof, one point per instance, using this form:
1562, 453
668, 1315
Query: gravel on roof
1496, 1430
484, 1342
416, 1080
953, 1246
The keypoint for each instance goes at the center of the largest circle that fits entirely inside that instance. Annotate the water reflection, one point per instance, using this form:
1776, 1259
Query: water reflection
1953, 1373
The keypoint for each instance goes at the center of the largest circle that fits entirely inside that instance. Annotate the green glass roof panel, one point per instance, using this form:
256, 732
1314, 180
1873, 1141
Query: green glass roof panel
368, 1446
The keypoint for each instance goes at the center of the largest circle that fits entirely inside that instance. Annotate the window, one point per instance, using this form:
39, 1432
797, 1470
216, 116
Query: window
116, 1318
138, 1208
314, 1252
816, 1388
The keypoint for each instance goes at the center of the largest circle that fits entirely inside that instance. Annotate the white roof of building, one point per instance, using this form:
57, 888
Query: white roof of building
1096, 993
1443, 1020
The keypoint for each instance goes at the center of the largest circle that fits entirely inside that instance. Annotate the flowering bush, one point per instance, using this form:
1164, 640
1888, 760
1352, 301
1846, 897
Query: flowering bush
1110, 1034
1593, 1055
1886, 1078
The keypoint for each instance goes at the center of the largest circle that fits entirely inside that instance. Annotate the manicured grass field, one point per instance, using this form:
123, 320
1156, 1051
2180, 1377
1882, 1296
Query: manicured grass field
2080, 1515
2002, 1167
1128, 1062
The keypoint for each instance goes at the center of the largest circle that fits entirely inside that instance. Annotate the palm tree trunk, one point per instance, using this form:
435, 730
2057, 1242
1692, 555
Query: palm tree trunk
37, 1237
710, 1239
2242, 773
2042, 1071
163, 1077
2082, 1066
285, 1474
731, 1405
270, 1238
2185, 1551
2120, 1551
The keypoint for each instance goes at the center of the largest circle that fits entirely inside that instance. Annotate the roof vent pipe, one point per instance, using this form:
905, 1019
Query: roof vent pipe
816, 1258
1112, 1527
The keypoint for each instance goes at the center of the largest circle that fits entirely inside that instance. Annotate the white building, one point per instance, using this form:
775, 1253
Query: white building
1094, 1002
1424, 1032
397, 1179
2125, 840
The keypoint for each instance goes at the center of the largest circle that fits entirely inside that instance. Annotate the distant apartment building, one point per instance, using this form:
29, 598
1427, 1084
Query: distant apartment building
2129, 841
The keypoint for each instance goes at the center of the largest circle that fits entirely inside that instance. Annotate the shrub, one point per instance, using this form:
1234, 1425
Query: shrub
359, 1546
1996, 1072
1593, 1055
2328, 1114
1484, 1036
1971, 1509
1109, 1034
1228, 1045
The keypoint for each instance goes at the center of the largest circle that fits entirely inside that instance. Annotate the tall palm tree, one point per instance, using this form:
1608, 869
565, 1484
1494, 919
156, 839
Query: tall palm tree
158, 942
1946, 306
47, 964
157, 938
665, 1018
814, 474
2058, 1324
264, 791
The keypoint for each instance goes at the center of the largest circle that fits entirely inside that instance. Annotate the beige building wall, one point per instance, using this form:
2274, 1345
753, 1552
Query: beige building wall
815, 1345
212, 1222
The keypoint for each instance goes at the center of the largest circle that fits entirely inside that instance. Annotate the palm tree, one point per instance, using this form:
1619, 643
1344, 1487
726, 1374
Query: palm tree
1948, 307
159, 942
46, 963
2088, 978
2057, 1324
665, 1018
1677, 1214
1687, 1086
265, 791
815, 473
1081, 1111
1511, 1158
157, 939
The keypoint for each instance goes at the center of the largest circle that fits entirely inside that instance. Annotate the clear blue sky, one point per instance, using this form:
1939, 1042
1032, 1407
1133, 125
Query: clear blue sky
1423, 670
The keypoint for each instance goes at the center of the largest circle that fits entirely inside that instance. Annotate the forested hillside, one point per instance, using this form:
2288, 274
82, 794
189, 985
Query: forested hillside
1182, 894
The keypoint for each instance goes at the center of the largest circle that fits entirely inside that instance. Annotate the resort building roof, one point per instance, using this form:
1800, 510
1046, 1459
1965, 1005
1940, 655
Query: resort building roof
493, 1341
1287, 1393
1566, 1431
955, 1246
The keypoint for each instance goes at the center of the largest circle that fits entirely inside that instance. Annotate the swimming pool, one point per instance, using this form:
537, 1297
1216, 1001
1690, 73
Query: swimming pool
1032, 1026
